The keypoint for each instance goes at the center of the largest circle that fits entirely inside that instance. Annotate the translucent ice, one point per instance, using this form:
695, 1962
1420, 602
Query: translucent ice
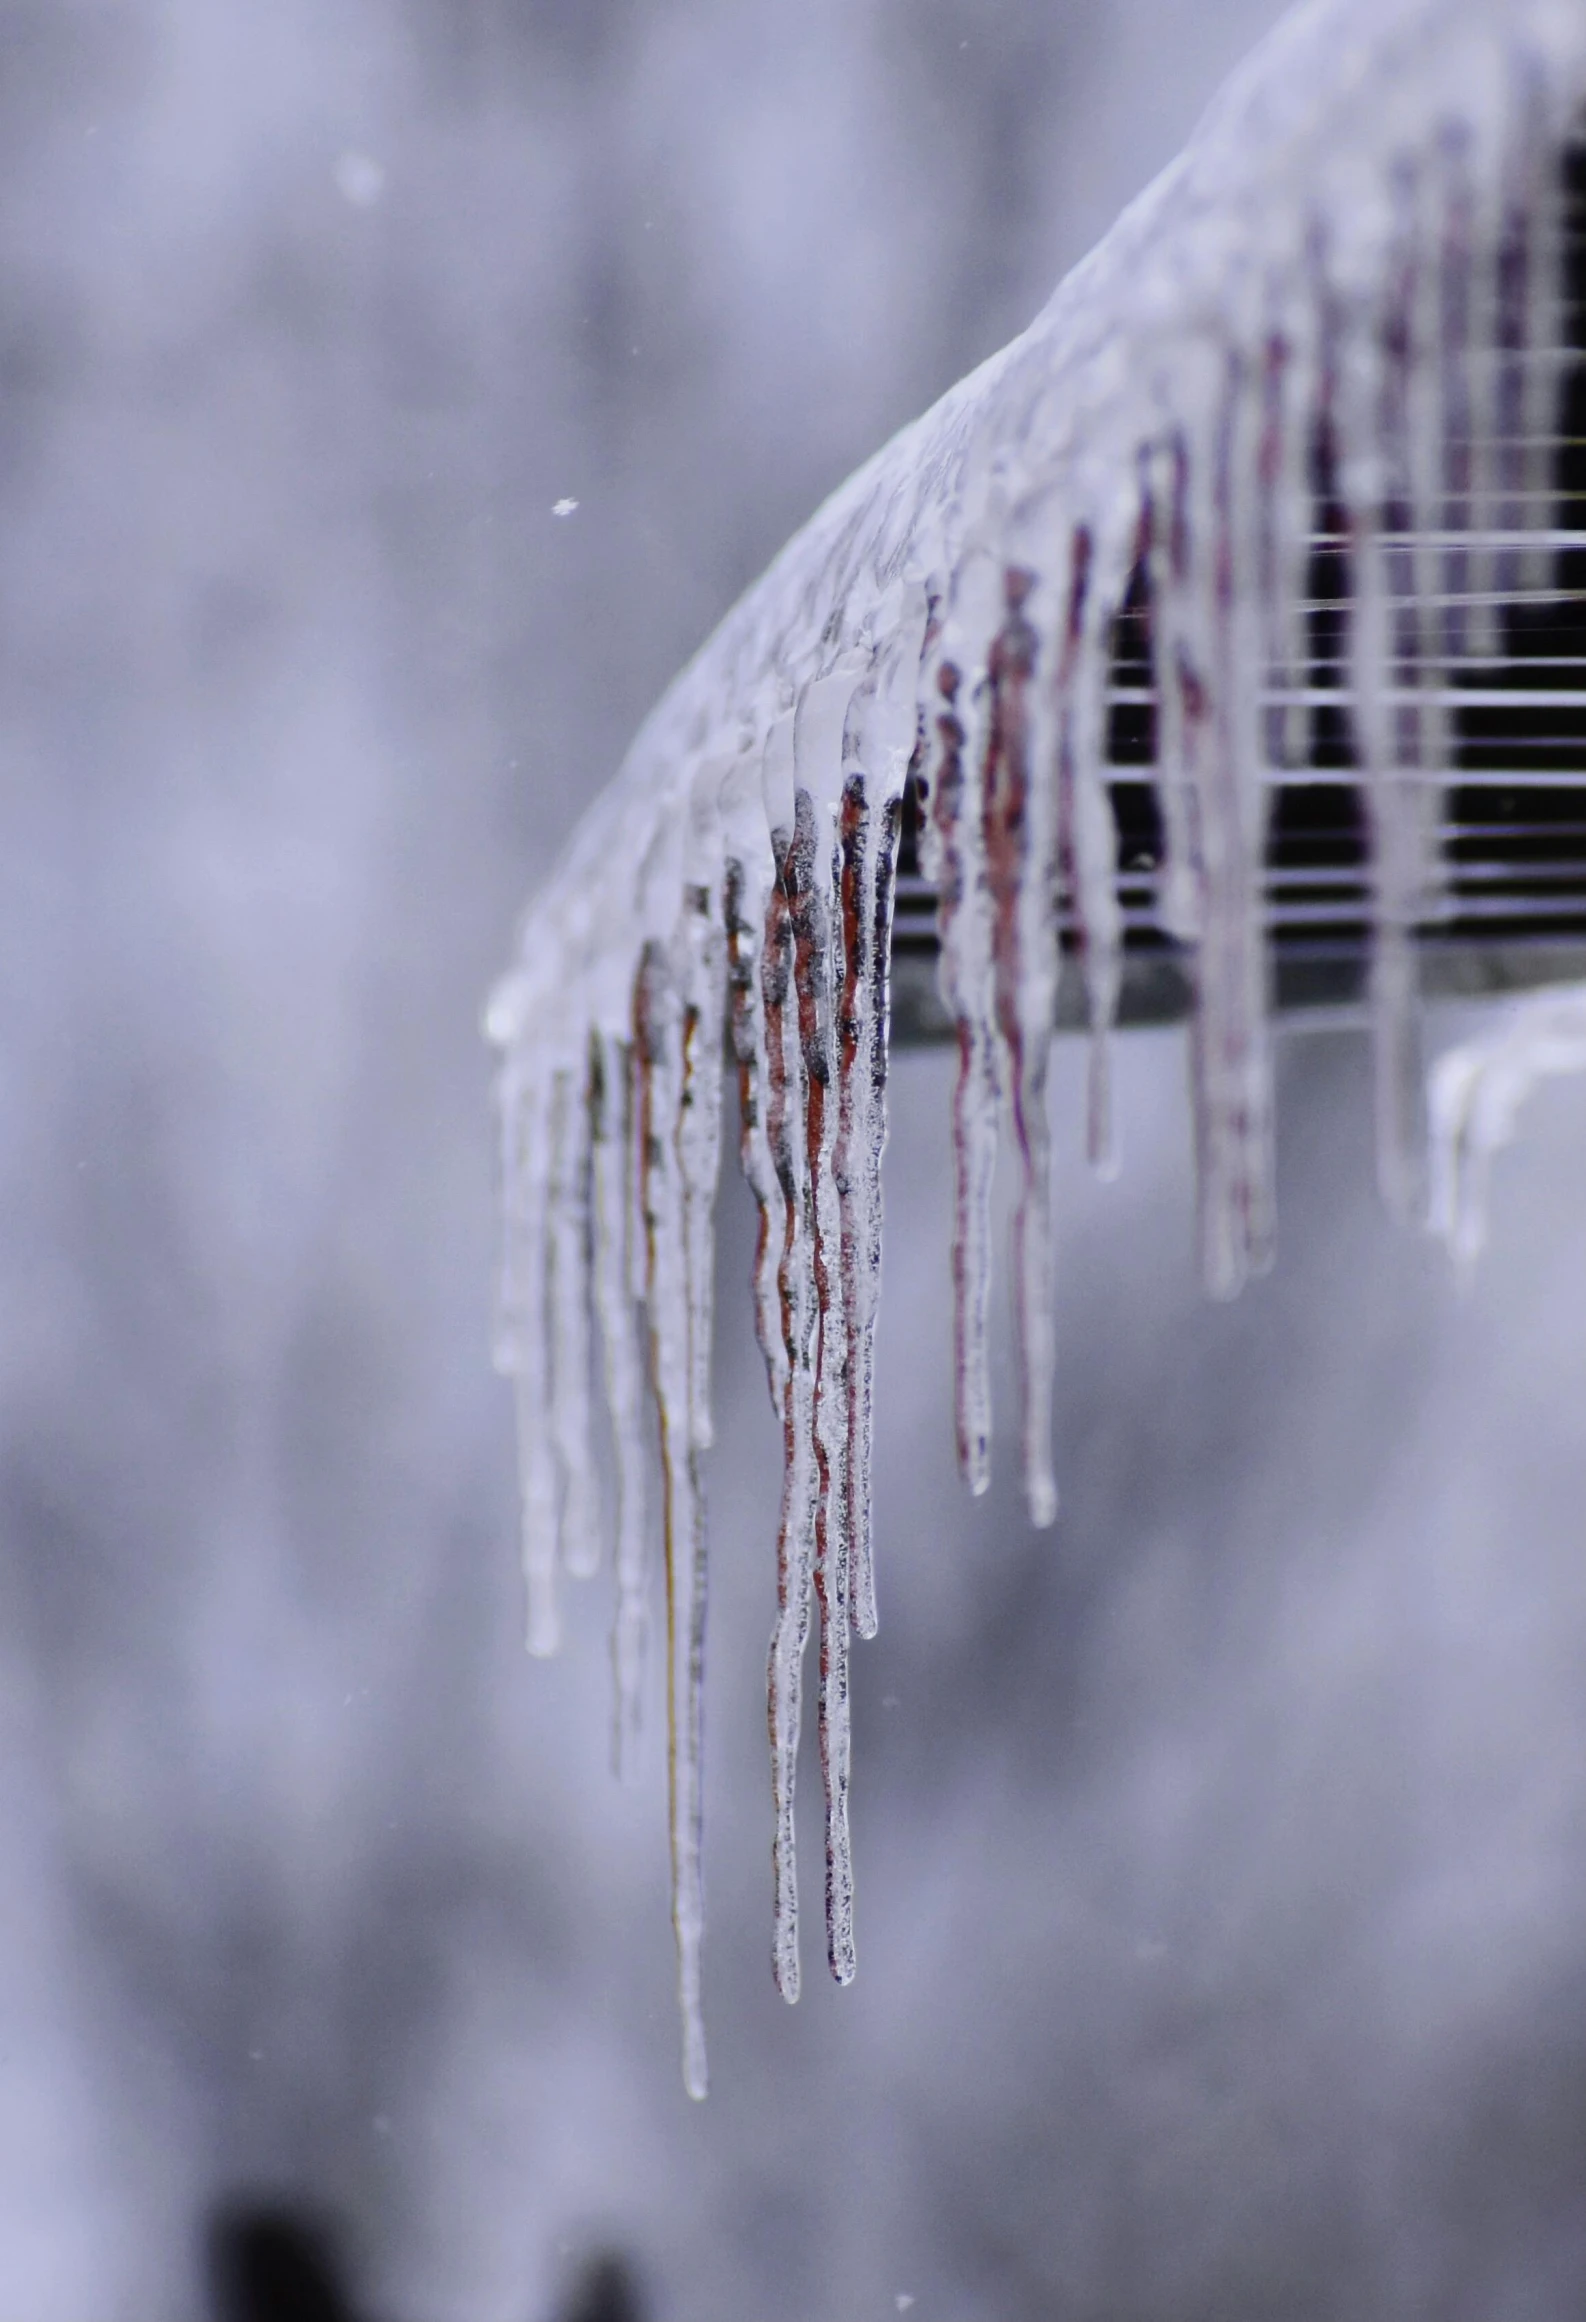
1474, 1100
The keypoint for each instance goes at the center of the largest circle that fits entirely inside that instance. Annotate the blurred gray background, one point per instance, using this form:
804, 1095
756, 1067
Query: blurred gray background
1222, 1856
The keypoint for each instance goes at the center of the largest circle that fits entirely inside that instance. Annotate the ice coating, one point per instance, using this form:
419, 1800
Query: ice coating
1293, 412
1474, 1099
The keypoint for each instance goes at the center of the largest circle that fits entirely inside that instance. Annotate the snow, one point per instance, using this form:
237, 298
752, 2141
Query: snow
1354, 259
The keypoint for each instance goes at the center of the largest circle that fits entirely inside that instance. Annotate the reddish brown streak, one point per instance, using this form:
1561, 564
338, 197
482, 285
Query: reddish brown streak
1073, 634
852, 830
1011, 667
776, 978
741, 967
809, 974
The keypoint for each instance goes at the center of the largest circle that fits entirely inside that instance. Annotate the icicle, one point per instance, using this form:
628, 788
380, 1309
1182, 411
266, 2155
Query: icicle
869, 855
1483, 359
860, 847
1284, 511
955, 858
880, 744
785, 1117
1232, 1067
754, 1145
889, 818
1378, 364
633, 1179
1020, 843
658, 1039
522, 1349
1203, 562
610, 1102
1177, 689
1423, 744
817, 967
1087, 835
579, 1532
853, 929
704, 995
1463, 389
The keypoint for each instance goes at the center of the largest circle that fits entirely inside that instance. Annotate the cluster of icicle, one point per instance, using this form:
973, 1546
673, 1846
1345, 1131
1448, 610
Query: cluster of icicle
1353, 269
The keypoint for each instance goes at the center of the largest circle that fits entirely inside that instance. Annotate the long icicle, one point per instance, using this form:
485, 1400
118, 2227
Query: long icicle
569, 1253
1462, 460
870, 849
785, 1114
1087, 832
1424, 736
955, 856
610, 1081
522, 1348
1020, 847
818, 969
853, 936
658, 1037
1177, 692
1232, 1057
1190, 886
1397, 746
1280, 521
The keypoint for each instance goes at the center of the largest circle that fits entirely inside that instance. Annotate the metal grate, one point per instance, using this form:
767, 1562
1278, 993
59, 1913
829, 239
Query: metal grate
1510, 776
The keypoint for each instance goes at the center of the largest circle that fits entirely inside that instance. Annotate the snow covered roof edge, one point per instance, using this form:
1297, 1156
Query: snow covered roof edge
1306, 133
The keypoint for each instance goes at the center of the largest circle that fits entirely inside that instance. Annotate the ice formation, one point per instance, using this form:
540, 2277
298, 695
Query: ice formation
1474, 1097
1343, 294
